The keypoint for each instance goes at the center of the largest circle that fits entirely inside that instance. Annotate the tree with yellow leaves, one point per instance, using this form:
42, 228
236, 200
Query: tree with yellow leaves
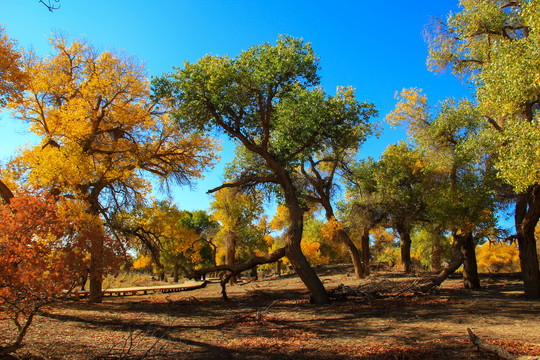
498, 257
12, 77
315, 235
236, 211
12, 84
101, 134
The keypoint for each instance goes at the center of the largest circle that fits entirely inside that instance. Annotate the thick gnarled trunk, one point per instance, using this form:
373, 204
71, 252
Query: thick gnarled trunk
405, 240
96, 270
526, 218
293, 250
471, 279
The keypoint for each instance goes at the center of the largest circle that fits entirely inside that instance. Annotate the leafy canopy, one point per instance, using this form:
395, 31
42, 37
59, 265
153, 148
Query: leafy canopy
100, 132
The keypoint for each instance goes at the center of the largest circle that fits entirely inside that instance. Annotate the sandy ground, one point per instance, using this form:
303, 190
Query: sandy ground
377, 317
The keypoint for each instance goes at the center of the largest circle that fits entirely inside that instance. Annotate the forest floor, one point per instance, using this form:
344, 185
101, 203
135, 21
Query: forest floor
374, 318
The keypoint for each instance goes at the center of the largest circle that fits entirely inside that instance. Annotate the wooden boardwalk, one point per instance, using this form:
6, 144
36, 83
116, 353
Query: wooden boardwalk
145, 290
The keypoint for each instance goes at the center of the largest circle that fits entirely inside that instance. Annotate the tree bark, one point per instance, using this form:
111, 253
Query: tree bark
230, 252
456, 260
294, 252
176, 271
254, 274
5, 192
96, 268
470, 268
527, 215
366, 252
436, 254
344, 238
405, 239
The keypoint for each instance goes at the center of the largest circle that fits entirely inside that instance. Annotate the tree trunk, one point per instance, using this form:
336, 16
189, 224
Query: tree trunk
5, 192
254, 274
294, 252
526, 218
366, 252
300, 264
278, 267
96, 266
22, 330
230, 252
344, 238
156, 258
470, 268
405, 238
176, 270
456, 260
436, 254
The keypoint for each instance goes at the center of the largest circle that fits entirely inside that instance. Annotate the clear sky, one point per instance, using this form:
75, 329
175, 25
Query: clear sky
375, 46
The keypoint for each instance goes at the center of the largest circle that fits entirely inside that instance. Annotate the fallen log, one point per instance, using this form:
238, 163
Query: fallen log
496, 349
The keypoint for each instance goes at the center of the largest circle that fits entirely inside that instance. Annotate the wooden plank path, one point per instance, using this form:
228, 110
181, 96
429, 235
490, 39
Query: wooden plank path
144, 290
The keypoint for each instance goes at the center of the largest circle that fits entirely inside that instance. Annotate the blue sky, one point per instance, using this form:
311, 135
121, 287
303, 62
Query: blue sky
376, 47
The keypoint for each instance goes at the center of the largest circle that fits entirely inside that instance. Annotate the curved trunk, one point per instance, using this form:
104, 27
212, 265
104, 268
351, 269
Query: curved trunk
470, 268
294, 252
344, 238
456, 260
526, 218
366, 252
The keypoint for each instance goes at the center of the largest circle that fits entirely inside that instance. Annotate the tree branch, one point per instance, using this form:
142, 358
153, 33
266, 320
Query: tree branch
49, 5
233, 270
253, 179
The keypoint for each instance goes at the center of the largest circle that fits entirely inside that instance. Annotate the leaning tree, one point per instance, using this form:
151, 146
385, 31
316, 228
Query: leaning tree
267, 100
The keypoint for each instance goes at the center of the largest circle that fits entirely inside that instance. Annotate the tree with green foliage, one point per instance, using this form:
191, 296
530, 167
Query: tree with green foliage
389, 193
206, 228
494, 44
319, 175
459, 191
267, 99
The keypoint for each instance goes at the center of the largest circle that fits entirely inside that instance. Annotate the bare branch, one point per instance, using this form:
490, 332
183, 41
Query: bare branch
50, 4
